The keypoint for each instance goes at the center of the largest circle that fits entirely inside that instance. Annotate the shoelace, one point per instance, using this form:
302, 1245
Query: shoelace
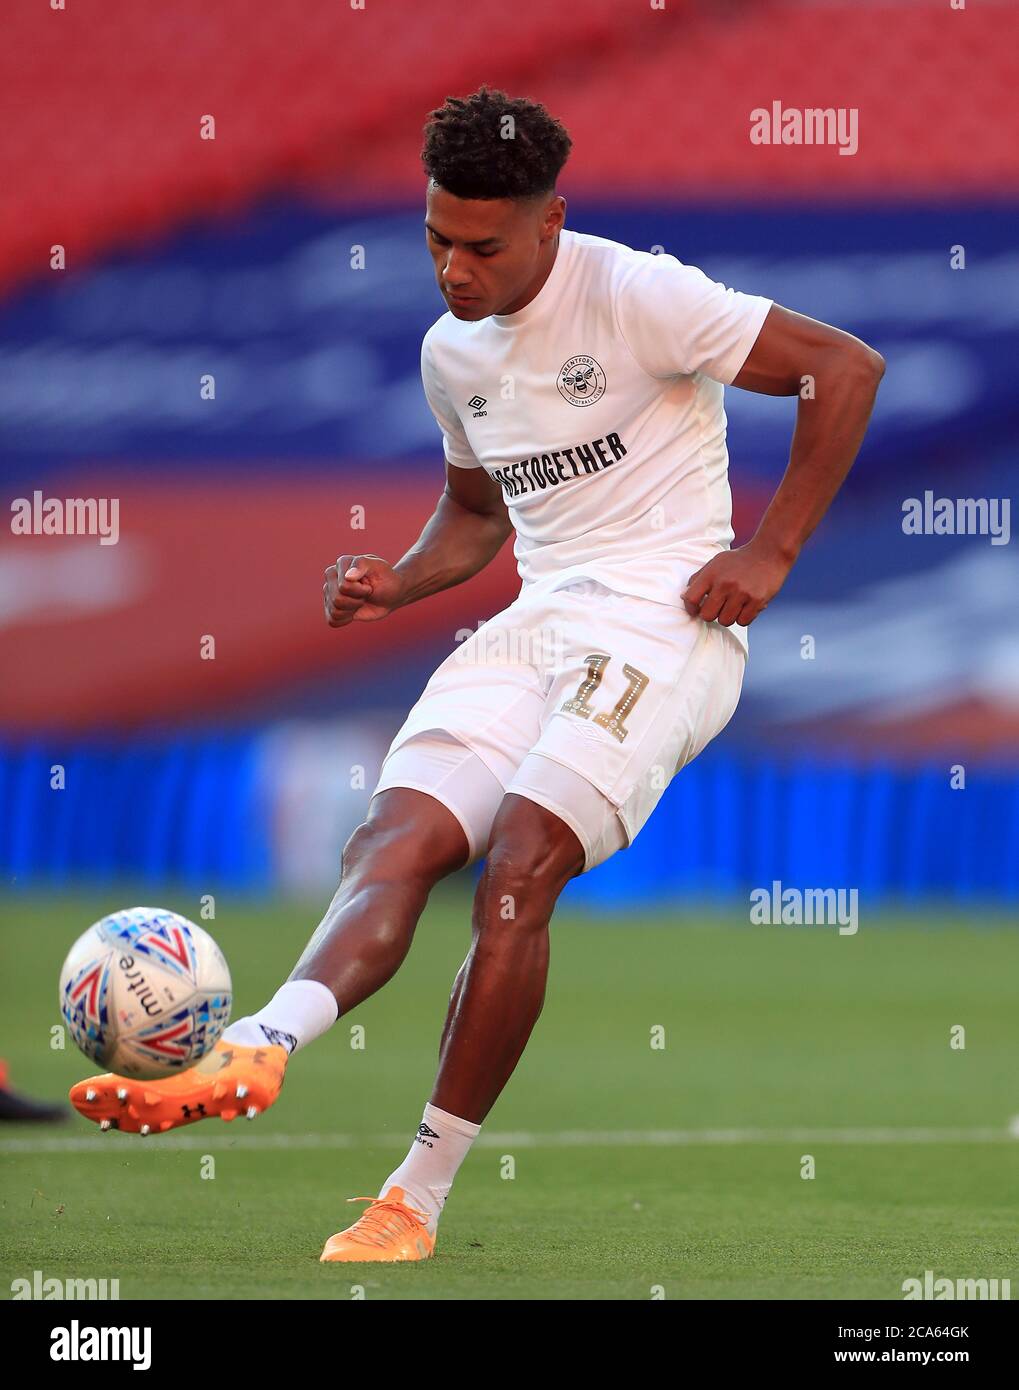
384, 1218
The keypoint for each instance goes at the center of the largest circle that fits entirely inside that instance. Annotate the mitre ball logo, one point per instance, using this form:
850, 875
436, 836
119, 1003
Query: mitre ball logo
581, 380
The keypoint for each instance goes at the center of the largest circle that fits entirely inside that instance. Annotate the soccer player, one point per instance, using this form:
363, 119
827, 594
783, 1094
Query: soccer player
578, 385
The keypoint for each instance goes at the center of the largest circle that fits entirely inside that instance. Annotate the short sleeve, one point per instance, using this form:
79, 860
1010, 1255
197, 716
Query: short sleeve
676, 321
455, 444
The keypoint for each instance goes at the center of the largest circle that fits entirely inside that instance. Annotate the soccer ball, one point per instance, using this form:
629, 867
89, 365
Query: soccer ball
145, 993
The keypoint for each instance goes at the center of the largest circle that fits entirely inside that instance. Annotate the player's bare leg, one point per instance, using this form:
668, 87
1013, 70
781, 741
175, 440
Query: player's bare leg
500, 989
390, 864
497, 997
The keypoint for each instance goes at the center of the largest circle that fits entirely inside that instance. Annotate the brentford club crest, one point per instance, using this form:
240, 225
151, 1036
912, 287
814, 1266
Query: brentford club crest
581, 381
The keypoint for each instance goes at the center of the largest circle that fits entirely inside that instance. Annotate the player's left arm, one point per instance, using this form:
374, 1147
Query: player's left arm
831, 420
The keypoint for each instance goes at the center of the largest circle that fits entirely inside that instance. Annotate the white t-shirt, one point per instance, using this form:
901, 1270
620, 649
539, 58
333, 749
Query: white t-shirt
598, 408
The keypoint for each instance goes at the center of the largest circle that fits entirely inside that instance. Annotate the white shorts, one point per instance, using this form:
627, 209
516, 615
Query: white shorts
584, 700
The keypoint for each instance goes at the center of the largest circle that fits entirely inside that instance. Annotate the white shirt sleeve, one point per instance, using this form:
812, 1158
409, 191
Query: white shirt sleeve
455, 444
676, 321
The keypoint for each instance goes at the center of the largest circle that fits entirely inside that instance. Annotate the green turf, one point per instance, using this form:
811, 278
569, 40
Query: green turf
771, 1028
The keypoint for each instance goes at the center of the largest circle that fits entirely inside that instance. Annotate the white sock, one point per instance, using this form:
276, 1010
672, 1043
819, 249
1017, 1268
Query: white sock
299, 1012
426, 1174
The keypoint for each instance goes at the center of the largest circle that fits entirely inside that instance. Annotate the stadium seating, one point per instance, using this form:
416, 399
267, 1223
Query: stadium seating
231, 255
333, 103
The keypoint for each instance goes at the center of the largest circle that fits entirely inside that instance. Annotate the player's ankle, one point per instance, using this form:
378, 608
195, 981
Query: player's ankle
245, 1033
427, 1173
422, 1201
299, 1012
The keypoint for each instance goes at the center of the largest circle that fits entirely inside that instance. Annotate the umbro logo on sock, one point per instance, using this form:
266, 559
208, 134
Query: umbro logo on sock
426, 1135
278, 1038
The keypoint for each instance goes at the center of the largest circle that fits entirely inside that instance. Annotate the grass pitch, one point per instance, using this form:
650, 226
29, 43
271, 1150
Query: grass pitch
610, 1168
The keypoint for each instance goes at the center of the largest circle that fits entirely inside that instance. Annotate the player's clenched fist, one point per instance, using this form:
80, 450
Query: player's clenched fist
360, 588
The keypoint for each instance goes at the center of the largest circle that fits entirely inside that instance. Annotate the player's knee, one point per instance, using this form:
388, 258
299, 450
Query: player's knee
517, 889
530, 859
382, 849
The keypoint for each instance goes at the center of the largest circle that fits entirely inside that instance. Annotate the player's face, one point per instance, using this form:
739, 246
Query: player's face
490, 254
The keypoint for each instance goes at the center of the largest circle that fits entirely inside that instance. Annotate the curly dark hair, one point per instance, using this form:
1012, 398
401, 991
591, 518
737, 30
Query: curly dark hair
468, 152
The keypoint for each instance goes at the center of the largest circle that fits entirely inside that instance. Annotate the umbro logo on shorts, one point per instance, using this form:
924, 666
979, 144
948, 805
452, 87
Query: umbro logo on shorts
477, 404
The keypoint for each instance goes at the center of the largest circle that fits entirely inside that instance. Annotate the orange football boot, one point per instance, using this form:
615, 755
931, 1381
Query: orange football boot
390, 1229
230, 1080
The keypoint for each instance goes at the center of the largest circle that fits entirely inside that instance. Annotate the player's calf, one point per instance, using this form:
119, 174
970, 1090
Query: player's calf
500, 990
407, 844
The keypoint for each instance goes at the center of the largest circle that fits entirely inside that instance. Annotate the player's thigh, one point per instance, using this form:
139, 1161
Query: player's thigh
568, 795
641, 689
455, 794
406, 834
488, 694
699, 708
532, 853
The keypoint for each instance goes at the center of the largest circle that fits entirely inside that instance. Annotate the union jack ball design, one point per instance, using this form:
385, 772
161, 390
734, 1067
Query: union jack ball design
145, 993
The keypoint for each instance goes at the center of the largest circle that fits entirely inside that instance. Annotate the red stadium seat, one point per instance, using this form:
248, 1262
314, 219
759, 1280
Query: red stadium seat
102, 102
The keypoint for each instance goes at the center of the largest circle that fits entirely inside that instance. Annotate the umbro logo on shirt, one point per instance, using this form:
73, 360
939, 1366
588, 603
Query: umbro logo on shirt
477, 404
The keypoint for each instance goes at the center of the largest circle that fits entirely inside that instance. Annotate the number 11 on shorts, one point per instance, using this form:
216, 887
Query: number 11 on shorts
580, 704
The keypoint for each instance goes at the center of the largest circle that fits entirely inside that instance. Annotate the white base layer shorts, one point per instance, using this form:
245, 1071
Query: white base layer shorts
584, 700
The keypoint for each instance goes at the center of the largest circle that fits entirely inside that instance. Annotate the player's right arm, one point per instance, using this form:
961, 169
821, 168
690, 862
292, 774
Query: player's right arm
467, 530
